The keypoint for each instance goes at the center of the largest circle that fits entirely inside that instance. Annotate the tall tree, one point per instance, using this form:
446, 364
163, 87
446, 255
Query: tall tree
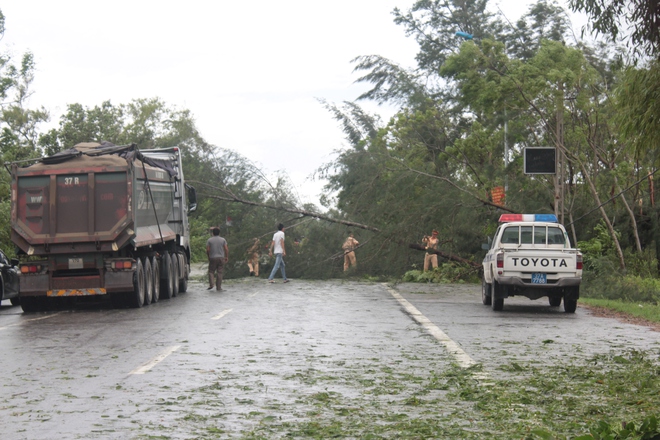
615, 17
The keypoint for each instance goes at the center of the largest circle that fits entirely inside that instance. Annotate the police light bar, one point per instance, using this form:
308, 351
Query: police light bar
505, 218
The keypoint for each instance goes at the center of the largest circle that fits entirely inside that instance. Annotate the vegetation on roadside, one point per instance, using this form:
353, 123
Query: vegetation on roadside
447, 272
588, 397
644, 311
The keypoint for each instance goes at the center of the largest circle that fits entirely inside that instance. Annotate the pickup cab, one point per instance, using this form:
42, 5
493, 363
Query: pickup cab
531, 256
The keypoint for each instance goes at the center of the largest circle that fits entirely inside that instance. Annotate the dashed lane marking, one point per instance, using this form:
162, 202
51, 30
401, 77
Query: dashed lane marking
155, 361
462, 358
223, 313
28, 320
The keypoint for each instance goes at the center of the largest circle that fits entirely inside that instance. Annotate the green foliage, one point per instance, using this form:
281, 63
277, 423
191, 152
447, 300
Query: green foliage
630, 288
647, 429
449, 272
598, 246
149, 123
638, 107
649, 312
635, 19
603, 279
5, 235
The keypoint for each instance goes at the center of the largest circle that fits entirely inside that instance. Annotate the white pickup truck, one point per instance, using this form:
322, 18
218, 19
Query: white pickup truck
531, 256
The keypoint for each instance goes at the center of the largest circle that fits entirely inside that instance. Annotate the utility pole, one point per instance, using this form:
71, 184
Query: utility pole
559, 157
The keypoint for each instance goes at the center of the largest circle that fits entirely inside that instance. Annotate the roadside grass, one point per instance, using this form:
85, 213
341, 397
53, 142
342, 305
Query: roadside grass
645, 310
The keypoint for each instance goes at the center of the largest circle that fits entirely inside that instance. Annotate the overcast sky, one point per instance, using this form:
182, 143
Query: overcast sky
250, 72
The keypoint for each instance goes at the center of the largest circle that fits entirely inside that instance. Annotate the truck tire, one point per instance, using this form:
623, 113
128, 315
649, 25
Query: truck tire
119, 300
570, 305
155, 269
183, 283
175, 274
136, 297
32, 304
486, 292
15, 301
148, 281
167, 282
497, 302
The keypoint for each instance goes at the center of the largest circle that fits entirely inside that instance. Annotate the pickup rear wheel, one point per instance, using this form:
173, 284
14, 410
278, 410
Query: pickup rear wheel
571, 295
486, 292
497, 302
555, 301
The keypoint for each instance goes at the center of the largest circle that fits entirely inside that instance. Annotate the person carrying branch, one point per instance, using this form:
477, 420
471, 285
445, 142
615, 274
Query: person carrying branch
253, 258
349, 252
431, 243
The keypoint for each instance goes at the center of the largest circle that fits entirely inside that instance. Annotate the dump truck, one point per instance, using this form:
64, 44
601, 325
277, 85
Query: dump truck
101, 219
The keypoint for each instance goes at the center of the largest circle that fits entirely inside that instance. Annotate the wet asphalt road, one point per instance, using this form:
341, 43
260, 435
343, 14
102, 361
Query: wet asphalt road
213, 364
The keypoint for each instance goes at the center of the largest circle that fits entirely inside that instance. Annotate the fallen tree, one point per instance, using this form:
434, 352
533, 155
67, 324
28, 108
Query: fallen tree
443, 254
231, 197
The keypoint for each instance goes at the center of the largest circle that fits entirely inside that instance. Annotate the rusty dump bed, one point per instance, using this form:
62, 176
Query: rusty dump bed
91, 203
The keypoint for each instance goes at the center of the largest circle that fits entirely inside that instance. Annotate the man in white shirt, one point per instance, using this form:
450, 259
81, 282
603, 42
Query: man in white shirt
277, 247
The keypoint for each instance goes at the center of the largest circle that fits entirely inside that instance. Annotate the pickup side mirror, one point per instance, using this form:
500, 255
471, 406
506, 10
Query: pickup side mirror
486, 246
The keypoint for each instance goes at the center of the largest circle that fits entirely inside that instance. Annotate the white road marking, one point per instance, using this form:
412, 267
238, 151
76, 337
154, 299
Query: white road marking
28, 320
221, 314
464, 360
155, 361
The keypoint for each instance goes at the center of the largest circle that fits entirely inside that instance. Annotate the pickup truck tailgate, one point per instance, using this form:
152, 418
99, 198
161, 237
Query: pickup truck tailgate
539, 260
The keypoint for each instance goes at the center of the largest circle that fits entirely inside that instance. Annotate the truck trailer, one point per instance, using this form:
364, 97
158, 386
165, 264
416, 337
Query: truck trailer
101, 219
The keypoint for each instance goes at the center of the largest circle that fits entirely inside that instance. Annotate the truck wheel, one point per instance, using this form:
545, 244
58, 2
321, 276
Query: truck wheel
497, 303
183, 283
570, 305
167, 284
31, 304
119, 300
555, 301
155, 269
175, 274
136, 297
486, 295
15, 301
148, 281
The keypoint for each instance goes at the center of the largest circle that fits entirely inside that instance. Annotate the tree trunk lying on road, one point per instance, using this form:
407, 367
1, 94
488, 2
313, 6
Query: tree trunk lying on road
420, 247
